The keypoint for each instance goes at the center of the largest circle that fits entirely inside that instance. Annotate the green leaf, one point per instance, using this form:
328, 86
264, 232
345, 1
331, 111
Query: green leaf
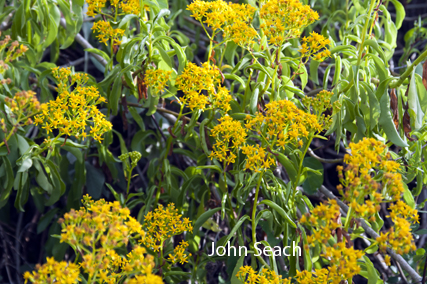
421, 232
314, 69
162, 13
203, 218
372, 272
203, 136
267, 70
6, 180
94, 181
115, 95
346, 49
45, 220
387, 124
313, 181
57, 183
182, 59
338, 67
414, 108
126, 19
234, 279
234, 230
99, 52
374, 44
165, 56
70, 29
279, 210
380, 67
22, 187
136, 117
52, 31
400, 13
408, 197
288, 165
235, 78
308, 264
254, 100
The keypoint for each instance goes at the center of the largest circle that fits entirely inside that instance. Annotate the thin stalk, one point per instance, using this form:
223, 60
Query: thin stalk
310, 138
254, 208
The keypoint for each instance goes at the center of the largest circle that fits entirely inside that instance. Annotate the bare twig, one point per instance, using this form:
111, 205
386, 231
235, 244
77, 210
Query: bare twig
327, 161
162, 110
17, 246
4, 237
158, 128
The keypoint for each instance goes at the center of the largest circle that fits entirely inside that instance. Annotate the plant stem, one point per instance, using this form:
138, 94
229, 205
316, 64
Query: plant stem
294, 189
408, 71
254, 209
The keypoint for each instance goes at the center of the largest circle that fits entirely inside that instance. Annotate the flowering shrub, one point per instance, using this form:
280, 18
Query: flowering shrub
150, 141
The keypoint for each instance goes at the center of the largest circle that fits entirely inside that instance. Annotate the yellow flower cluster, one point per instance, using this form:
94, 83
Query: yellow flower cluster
195, 80
157, 79
257, 158
54, 272
283, 123
106, 32
233, 19
179, 254
106, 222
320, 104
284, 19
128, 7
315, 46
14, 51
324, 221
342, 266
72, 112
221, 99
400, 236
367, 157
161, 225
95, 7
151, 279
248, 275
229, 135
95, 232
24, 105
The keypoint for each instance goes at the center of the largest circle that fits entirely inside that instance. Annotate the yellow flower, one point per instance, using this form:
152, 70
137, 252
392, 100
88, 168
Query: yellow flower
161, 225
53, 271
128, 7
315, 46
284, 19
195, 80
157, 79
106, 32
229, 135
248, 275
233, 19
24, 105
284, 123
96, 231
72, 113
